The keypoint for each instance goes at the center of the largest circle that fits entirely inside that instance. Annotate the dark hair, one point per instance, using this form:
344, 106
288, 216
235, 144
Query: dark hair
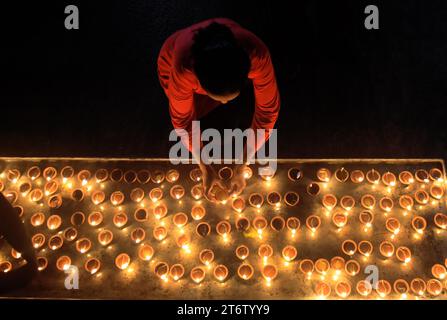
220, 64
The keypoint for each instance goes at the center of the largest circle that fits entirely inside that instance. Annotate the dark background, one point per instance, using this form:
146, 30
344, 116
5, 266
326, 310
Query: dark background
346, 91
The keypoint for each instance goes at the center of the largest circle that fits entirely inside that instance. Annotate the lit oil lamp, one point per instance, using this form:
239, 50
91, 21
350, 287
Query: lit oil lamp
161, 270
386, 248
260, 223
245, 271
183, 242
366, 218
160, 233
49, 173
238, 204
70, 234
36, 195
347, 202
269, 272
221, 195
15, 254
406, 177
203, 229
294, 174
324, 175
136, 195
197, 191
63, 263
145, 252
137, 235
55, 201
329, 201
343, 289
365, 248
418, 286
77, 195
307, 267
160, 211
403, 254
436, 191
274, 199
436, 175
37, 219
98, 197
421, 197
176, 271
406, 202
322, 266
116, 175
419, 224
50, 187
195, 174
293, 224
120, 219
389, 179
84, 176
242, 252
33, 173
265, 251
143, 176
322, 290
256, 200
105, 237
206, 256
13, 175
55, 242
67, 172
77, 219
440, 220
92, 265
83, 245
267, 173
422, 176
156, 194
247, 172
177, 192
277, 223
434, 287
25, 188
313, 222
439, 271
393, 225
289, 253
11, 196
130, 176
341, 175
220, 272
339, 218
42, 263
242, 224
180, 219
373, 176
313, 189
158, 176
386, 204
225, 173
364, 288
122, 261
101, 175
357, 176
141, 214
338, 265
383, 288
54, 222
117, 198
197, 274
291, 198
349, 247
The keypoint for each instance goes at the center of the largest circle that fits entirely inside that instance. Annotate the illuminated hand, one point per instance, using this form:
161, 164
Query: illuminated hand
213, 186
237, 182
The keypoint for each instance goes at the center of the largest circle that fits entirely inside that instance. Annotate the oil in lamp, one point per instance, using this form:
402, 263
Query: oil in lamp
203, 229
242, 224
83, 245
177, 192
434, 287
419, 224
137, 235
105, 237
406, 202
393, 225
418, 286
245, 271
265, 251
33, 173
260, 223
386, 248
329, 201
347, 202
84, 176
341, 175
141, 214
293, 224
343, 289
220, 272
55, 242
143, 176
324, 175
156, 194
242, 252
160, 211
238, 204
274, 199
386, 204
307, 267
177, 270
197, 191
365, 248
120, 219
122, 261
256, 200
63, 263
322, 290
403, 254
158, 176
357, 176
130, 176
36, 195
180, 219
269, 272
98, 197
55, 201
116, 175
101, 175
67, 172
383, 288
25, 188
197, 274
50, 187
136, 195
364, 288
161, 270
289, 253
206, 256
421, 196
313, 222
389, 179
37, 219
160, 233
145, 252
436, 175
406, 177
440, 220
77, 219
225, 173
322, 266
373, 176
77, 195
339, 218
49, 173
13, 175
117, 198
70, 234
349, 247
439, 271
54, 222
92, 265
277, 223
313, 189
422, 176
291, 198
294, 174
38, 240
436, 191
42, 263
366, 218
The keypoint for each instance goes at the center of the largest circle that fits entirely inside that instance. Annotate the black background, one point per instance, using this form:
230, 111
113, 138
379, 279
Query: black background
346, 91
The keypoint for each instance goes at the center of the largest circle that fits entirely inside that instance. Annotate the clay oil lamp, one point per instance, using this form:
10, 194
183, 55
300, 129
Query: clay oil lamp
36, 195
418, 286
145, 252
137, 235
70, 234
160, 233
307, 267
291, 198
338, 265
406, 177
386, 204
322, 290
195, 175
242, 252
436, 175
37, 219
349, 247
161, 270
206, 256
293, 224
440, 220
13, 175
176, 271
63, 263
177, 192
386, 248
341, 175
117, 198
130, 176
419, 224
136, 195
260, 223
160, 211
368, 201
365, 248
77, 195
265, 251
92, 265
364, 288
225, 173
203, 229
313, 189
324, 175
223, 228
156, 194
55, 201
352, 267
33, 173
84, 176
436, 191
116, 175
42, 263
183, 242
25, 188
101, 175
383, 288
245, 271
98, 197
289, 253
49, 173
197, 274
294, 174
422, 175
403, 254
277, 223
220, 272
347, 202
389, 179
67, 173
238, 204
421, 197
256, 200
143, 176
313, 222
357, 176
197, 191
266, 173
247, 172
198, 212
339, 218
54, 222
83, 245
141, 214
269, 272
105, 237
439, 271
180, 219
11, 196
393, 225
434, 287
373, 176
366, 219
322, 266
122, 261
343, 289
77, 219
50, 187
406, 202
274, 199
329, 201
120, 219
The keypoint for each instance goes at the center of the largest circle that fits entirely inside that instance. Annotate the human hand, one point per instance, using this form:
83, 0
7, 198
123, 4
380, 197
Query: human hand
213, 187
238, 182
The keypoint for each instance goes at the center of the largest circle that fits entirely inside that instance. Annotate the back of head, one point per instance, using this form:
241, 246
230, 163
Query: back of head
219, 63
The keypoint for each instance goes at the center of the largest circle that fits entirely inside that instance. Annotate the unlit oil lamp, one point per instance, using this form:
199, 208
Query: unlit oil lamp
324, 175
406, 177
418, 286
436, 175
421, 197
49, 173
130, 176
145, 252
238, 204
206, 256
383, 288
322, 290
242, 252
245, 271
77, 195
101, 175
197, 191
307, 267
436, 191
339, 218
313, 222
42, 263
440, 220
63, 263
329, 201
180, 219
422, 176
291, 198
225, 173
177, 192
105, 237
352, 267
77, 218
439, 271
277, 223
373, 176
386, 248
143, 176
50, 187
203, 229
341, 175
419, 224
84, 176
220, 272
116, 175
322, 266
343, 289
137, 235
122, 261
406, 202
54, 222
386, 204
197, 274
256, 200
434, 287
25, 188
120, 219
176, 271
403, 254
55, 242
36, 195
293, 224
347, 202
274, 199
198, 212
260, 223
92, 265
365, 248
136, 195
98, 197
141, 214
37, 219
160, 233
70, 234
294, 174
313, 189
389, 179
117, 198
364, 288
161, 270
83, 245
160, 211
349, 247
289, 253
156, 194
393, 225
357, 176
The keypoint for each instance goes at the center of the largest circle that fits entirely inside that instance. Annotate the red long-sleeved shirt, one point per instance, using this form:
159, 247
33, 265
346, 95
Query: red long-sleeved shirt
180, 83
